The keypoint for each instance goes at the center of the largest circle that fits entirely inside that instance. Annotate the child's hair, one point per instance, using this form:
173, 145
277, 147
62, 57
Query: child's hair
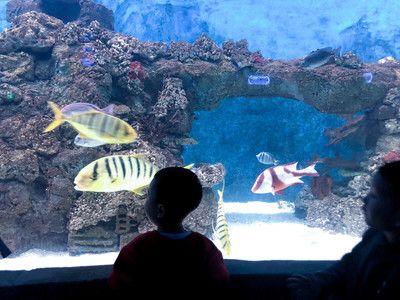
178, 188
390, 173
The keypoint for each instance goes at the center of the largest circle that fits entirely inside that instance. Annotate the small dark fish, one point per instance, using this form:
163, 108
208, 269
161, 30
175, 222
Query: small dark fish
368, 77
266, 158
320, 57
258, 80
87, 62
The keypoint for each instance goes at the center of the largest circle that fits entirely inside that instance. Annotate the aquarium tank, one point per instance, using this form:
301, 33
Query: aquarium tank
283, 109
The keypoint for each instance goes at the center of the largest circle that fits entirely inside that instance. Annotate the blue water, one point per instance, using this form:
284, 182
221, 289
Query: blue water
240, 128
280, 29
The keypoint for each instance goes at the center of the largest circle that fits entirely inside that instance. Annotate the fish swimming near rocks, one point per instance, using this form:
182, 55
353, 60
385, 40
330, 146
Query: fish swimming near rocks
266, 158
320, 57
94, 125
81, 107
131, 172
116, 173
221, 231
276, 179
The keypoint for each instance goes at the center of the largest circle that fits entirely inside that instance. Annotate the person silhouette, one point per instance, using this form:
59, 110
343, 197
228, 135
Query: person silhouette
372, 269
170, 260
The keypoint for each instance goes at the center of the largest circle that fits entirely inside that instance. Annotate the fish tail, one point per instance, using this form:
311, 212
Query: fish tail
309, 171
219, 194
227, 247
58, 117
109, 110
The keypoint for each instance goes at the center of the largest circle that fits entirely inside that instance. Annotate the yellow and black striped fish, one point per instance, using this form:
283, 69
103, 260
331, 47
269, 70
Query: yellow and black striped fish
95, 125
116, 173
221, 230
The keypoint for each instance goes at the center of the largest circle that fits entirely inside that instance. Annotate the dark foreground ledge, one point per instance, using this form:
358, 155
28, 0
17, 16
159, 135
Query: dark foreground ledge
249, 280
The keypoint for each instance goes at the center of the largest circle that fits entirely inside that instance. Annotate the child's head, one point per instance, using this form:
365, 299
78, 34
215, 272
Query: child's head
174, 192
382, 204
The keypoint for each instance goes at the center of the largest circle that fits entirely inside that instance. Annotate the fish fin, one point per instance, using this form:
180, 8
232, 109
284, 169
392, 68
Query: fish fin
76, 188
213, 227
189, 166
139, 191
109, 110
292, 166
139, 155
296, 180
58, 117
310, 170
83, 137
228, 248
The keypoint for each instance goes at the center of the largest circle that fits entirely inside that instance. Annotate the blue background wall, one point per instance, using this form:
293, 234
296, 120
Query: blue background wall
279, 28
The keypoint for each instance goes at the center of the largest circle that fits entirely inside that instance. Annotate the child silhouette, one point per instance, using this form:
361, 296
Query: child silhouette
170, 260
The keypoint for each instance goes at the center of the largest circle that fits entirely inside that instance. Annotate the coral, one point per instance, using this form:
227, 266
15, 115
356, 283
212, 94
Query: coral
181, 51
136, 71
204, 48
16, 68
349, 60
238, 52
321, 186
392, 155
36, 34
209, 175
336, 214
91, 208
14, 197
171, 99
20, 165
257, 58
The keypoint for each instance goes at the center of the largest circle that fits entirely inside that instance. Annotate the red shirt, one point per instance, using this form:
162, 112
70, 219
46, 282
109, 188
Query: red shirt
153, 259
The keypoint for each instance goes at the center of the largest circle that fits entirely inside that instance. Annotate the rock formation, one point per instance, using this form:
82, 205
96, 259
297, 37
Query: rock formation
84, 11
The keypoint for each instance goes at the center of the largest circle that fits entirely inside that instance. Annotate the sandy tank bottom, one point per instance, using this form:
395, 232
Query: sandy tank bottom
258, 231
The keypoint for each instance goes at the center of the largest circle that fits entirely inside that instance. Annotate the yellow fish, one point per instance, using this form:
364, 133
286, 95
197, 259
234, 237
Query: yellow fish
221, 231
95, 125
116, 173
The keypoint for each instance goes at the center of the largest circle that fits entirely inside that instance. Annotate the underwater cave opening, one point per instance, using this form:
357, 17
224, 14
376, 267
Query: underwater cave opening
289, 130
65, 10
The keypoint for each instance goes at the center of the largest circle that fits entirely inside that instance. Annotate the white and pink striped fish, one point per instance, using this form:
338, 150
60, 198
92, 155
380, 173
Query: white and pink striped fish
276, 179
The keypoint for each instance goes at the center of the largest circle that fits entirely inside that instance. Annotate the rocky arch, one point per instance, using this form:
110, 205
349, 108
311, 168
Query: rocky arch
158, 87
